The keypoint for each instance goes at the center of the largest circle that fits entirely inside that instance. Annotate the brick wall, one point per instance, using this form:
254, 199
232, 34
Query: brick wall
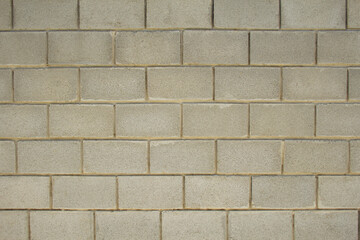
191, 119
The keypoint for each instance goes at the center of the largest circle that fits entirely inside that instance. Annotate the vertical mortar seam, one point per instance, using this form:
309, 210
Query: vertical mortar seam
51, 192
249, 52
213, 83
160, 223
316, 47
16, 157
78, 14
349, 157
248, 122
94, 225
114, 121
315, 113
280, 15
146, 85
183, 188
28, 224
181, 120
216, 156
82, 156
117, 191
212, 14
316, 192
13, 84
181, 47
227, 225
148, 157
79, 86
281, 84
250, 192
145, 14
48, 120
347, 85
113, 45
293, 224
282, 156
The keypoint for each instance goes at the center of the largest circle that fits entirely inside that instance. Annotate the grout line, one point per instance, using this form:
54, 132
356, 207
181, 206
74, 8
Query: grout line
281, 84
79, 86
13, 84
346, 27
114, 121
78, 14
113, 44
212, 14
16, 157
316, 48
249, 53
293, 225
148, 157
146, 85
316, 192
282, 156
213, 83
182, 47
160, 224
145, 14
181, 120
347, 85
216, 156
48, 121
94, 226
12, 14
279, 14
250, 193
29, 225
51, 193
117, 192
178, 209
349, 158
183, 185
47, 48
248, 123
315, 120
227, 225
82, 156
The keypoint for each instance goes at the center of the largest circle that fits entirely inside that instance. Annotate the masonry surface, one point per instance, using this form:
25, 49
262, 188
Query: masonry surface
191, 119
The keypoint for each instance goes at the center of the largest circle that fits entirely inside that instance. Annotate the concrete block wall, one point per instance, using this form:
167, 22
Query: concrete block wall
191, 119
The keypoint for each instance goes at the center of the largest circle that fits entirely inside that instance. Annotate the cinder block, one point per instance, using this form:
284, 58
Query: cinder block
215, 47
112, 84
180, 83
150, 192
84, 192
355, 156
354, 84
50, 84
194, 225
217, 192
246, 14
24, 192
179, 14
5, 85
5, 14
49, 157
7, 159
243, 156
13, 225
282, 192
244, 83
353, 14
215, 120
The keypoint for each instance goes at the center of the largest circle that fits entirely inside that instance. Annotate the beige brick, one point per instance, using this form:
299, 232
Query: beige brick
215, 120
80, 48
182, 156
5, 14
307, 83
115, 156
102, 84
259, 225
193, 225
22, 48
179, 14
49, 157
243, 83
258, 156
13, 225
45, 14
217, 192
51, 84
83, 192
111, 14
148, 47
150, 192
282, 192
128, 225
296, 120
338, 120
74, 120
326, 225
339, 191
338, 47
177, 83
354, 84
60, 225
355, 156
23, 121
316, 156
5, 84
24, 192
255, 14
215, 47
288, 48
7, 159
148, 120
310, 14
353, 14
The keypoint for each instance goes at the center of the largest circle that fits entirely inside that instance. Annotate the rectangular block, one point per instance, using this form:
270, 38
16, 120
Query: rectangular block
353, 14
316, 157
338, 120
51, 84
179, 14
254, 14
22, 48
180, 83
49, 157
215, 120
339, 191
313, 14
24, 192
80, 48
45, 14
84, 192
5, 14
354, 84
243, 156
23, 121
329, 225
14, 225
115, 156
244, 83
288, 47
182, 156
283, 192
6, 91
150, 192
111, 14
296, 120
259, 225
128, 225
7, 159
148, 120
148, 48
338, 47
305, 83
215, 47
217, 192
113, 84
193, 225
355, 156
75, 120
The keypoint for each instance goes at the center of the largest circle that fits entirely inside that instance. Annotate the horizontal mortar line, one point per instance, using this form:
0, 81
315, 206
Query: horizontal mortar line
149, 29
178, 209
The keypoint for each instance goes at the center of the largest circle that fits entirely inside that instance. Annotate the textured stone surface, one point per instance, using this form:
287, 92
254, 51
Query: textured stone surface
13, 225
5, 14
5, 85
355, 156
7, 159
353, 13
354, 84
